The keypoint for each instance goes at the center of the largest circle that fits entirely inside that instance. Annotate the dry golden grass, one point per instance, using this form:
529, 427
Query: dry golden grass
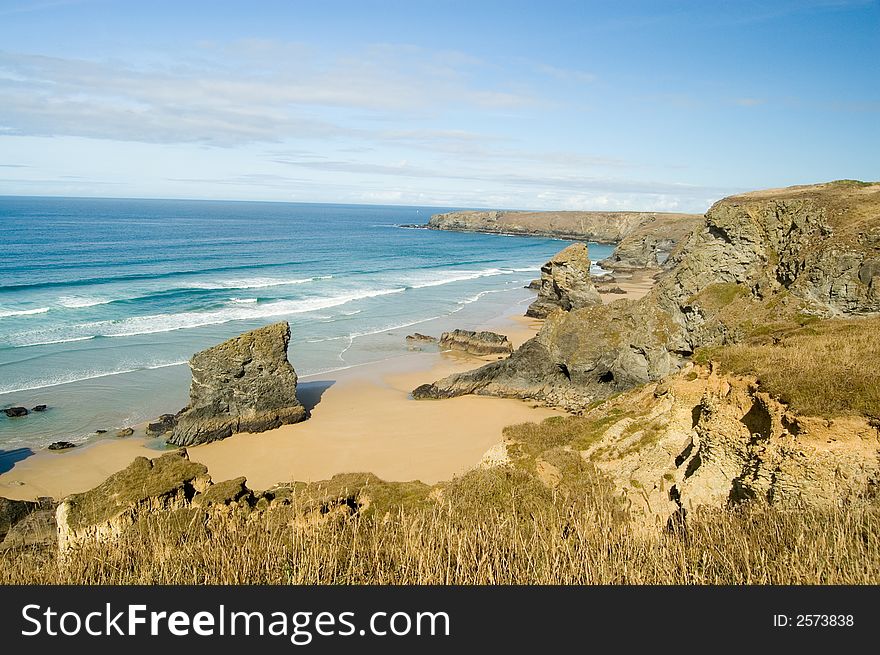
828, 368
492, 527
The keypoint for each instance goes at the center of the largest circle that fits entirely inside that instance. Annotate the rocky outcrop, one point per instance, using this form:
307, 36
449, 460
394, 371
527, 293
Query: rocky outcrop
652, 243
419, 338
476, 343
172, 484
565, 283
603, 227
759, 259
162, 425
15, 412
244, 384
705, 439
61, 445
166, 483
124, 432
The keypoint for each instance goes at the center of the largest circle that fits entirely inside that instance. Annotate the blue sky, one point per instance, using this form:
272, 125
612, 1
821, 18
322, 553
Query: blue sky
567, 105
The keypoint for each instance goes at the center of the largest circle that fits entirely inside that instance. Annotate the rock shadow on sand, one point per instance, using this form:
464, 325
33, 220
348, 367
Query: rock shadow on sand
309, 393
9, 458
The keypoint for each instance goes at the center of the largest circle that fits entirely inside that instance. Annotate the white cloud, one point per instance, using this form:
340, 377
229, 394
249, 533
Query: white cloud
259, 91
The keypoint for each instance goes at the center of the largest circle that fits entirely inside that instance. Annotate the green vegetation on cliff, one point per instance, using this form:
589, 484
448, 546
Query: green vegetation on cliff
828, 368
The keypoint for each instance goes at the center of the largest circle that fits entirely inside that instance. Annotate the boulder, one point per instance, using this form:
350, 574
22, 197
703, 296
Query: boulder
244, 384
614, 289
166, 483
125, 432
476, 343
420, 338
39, 408
15, 412
161, 425
565, 283
61, 445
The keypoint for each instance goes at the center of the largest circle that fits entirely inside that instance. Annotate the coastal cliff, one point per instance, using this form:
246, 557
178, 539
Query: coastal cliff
742, 375
645, 239
769, 258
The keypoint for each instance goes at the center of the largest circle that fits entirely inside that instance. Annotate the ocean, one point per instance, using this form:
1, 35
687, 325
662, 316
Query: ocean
102, 301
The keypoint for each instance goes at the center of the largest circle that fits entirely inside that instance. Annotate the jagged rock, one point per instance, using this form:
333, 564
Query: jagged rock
162, 425
125, 432
244, 384
565, 283
101, 431
61, 445
534, 285
166, 483
614, 289
759, 258
39, 408
476, 343
225, 493
420, 338
651, 244
704, 439
16, 412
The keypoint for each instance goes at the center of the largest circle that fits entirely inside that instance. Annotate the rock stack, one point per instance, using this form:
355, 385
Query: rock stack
565, 283
244, 384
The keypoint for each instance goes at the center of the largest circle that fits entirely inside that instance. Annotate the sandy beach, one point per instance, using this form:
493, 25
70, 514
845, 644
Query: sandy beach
362, 419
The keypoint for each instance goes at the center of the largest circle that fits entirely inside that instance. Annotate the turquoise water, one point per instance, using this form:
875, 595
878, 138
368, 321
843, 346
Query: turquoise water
102, 301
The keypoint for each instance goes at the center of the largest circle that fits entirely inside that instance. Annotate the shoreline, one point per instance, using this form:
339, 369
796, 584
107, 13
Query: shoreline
362, 420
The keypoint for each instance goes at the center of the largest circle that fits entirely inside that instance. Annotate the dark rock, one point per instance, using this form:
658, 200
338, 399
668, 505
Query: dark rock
15, 412
476, 343
534, 285
244, 384
565, 283
421, 338
125, 432
61, 445
100, 431
614, 289
40, 408
162, 425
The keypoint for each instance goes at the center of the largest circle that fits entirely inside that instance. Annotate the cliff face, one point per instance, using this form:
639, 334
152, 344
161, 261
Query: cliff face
702, 439
652, 243
779, 257
602, 227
